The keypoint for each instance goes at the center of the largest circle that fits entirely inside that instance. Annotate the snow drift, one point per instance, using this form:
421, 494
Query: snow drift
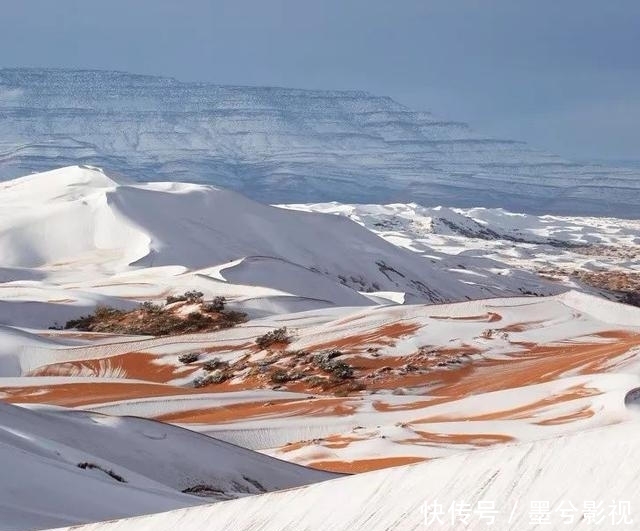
519, 486
131, 466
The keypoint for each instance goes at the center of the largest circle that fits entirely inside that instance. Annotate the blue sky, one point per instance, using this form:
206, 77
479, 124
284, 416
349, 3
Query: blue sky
561, 74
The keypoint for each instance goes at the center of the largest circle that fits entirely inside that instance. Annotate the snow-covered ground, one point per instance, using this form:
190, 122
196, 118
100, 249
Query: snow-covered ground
494, 241
586, 481
427, 378
369, 374
65, 467
76, 236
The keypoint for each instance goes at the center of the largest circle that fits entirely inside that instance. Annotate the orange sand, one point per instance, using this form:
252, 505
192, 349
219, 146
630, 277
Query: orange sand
364, 465
256, 410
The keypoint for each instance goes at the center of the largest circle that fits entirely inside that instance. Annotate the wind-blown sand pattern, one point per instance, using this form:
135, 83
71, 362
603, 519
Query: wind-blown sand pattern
429, 384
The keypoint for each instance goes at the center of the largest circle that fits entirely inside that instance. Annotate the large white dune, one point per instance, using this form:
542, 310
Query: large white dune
585, 481
79, 223
42, 484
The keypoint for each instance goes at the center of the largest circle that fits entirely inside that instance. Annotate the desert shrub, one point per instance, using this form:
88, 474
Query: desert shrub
351, 387
82, 323
107, 312
191, 297
321, 361
196, 317
342, 370
280, 376
194, 296
154, 320
213, 364
331, 354
150, 307
279, 335
200, 381
325, 360
317, 381
166, 323
215, 377
230, 318
218, 376
101, 313
216, 305
189, 357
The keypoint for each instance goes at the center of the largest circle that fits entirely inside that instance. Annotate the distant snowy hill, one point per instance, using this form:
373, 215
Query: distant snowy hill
285, 145
594, 254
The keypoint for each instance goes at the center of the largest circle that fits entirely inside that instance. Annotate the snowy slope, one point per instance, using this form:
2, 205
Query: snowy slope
80, 223
43, 486
598, 255
418, 222
287, 145
504, 488
428, 381
13, 342
425, 378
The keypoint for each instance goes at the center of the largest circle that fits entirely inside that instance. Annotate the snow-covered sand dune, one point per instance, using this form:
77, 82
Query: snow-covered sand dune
362, 378
96, 238
463, 376
598, 255
585, 481
66, 467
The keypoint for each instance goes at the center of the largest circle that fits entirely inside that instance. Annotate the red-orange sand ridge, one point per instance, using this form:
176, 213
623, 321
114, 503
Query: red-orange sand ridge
364, 465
